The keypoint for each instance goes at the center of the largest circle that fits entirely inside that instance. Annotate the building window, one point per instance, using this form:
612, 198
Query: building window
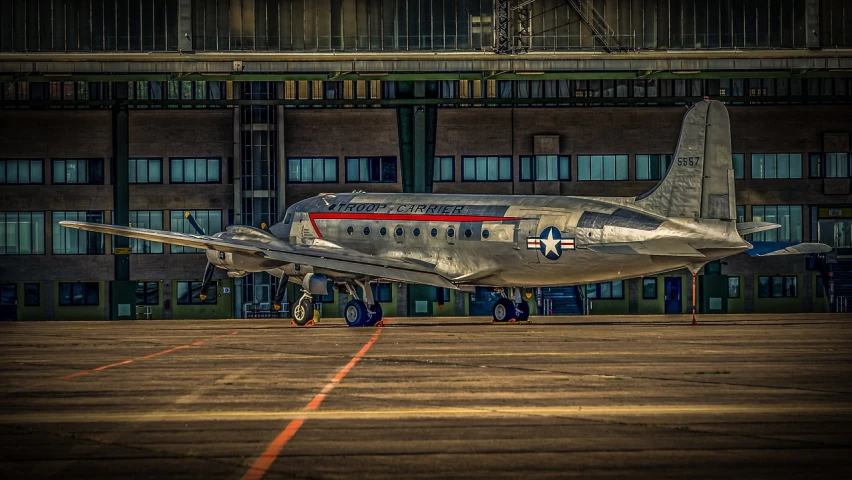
601, 167
738, 160
605, 290
21, 233
147, 293
312, 170
777, 287
776, 165
21, 172
195, 170
487, 169
652, 167
83, 171
145, 170
545, 167
733, 287
382, 292
32, 294
371, 169
209, 220
328, 297
188, 293
70, 241
788, 216
442, 295
830, 165
649, 288
79, 293
740, 213
443, 169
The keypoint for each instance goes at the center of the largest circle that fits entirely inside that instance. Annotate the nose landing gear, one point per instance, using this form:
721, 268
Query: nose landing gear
303, 311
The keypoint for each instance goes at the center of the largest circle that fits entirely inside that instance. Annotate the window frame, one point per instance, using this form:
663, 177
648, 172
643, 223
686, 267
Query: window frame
499, 160
173, 160
336, 169
785, 284
27, 302
602, 157
382, 292
133, 170
87, 288
764, 159
775, 234
29, 162
664, 162
656, 295
598, 290
563, 174
187, 228
33, 236
437, 168
381, 160
738, 286
89, 170
63, 234
819, 159
211, 299
146, 292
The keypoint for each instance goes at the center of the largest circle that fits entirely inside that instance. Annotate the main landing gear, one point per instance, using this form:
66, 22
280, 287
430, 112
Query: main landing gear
366, 313
514, 310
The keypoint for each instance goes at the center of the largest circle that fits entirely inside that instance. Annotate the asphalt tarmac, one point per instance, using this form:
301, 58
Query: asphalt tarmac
739, 396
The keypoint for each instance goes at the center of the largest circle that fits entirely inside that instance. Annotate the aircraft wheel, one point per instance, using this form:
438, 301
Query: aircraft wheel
303, 311
376, 317
355, 313
504, 310
523, 311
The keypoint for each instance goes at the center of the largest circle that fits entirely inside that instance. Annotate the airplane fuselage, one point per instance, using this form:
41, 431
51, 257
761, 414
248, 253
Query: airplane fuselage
500, 240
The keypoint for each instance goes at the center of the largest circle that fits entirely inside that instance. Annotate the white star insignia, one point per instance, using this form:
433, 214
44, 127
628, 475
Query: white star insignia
550, 244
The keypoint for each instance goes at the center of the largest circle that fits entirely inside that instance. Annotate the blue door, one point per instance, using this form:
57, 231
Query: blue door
673, 294
8, 302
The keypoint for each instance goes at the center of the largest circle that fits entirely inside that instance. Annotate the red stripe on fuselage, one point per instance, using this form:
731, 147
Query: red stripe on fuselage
401, 217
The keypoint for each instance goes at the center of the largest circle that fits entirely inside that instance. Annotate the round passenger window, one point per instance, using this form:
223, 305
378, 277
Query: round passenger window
349, 230
467, 233
383, 231
416, 232
399, 231
366, 230
485, 234
434, 232
451, 232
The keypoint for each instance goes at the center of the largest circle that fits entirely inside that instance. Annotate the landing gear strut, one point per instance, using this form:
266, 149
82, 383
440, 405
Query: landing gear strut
279, 292
303, 310
511, 310
360, 313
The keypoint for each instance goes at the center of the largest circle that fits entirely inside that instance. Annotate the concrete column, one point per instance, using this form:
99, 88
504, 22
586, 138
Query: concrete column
121, 292
634, 292
281, 154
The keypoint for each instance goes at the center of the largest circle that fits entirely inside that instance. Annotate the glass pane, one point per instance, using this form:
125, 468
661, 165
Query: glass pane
155, 171
214, 170
307, 170
643, 167
609, 167
293, 169
505, 168
189, 173
352, 169
469, 168
795, 165
364, 170
597, 167
617, 289
59, 171
649, 288
777, 286
739, 167
763, 289
176, 170
565, 168
330, 170
733, 287
447, 169
552, 173
201, 170
757, 165
481, 168
23, 171
436, 169
621, 167
783, 165
769, 163
493, 169
540, 167
606, 290
584, 170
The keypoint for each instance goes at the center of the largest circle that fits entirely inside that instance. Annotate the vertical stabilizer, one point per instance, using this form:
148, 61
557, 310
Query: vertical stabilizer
700, 182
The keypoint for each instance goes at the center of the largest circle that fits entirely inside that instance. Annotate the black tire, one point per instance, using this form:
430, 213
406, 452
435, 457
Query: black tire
303, 311
355, 313
503, 311
523, 311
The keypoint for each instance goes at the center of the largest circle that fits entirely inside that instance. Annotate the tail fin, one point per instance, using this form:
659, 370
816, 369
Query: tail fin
700, 181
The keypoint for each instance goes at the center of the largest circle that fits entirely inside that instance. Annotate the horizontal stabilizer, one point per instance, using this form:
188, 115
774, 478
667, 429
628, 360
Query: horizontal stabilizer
667, 248
766, 249
748, 228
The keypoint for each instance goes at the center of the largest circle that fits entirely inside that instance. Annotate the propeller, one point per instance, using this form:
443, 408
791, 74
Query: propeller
208, 269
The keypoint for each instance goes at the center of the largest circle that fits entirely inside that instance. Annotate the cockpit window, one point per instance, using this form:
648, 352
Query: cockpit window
288, 218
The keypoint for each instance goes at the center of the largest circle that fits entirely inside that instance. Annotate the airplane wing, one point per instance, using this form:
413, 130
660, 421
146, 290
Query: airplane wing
767, 249
747, 228
667, 248
338, 259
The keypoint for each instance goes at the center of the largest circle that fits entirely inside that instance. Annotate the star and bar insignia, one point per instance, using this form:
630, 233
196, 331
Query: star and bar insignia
550, 243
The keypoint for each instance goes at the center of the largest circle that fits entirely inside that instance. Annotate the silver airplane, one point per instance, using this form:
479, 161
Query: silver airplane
461, 241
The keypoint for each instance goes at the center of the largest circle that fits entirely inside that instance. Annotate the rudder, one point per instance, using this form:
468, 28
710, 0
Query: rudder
700, 182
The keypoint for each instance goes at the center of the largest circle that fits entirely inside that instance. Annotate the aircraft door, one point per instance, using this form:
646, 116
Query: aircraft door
526, 238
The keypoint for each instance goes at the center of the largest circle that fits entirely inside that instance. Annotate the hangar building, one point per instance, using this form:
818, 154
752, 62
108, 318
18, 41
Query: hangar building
134, 111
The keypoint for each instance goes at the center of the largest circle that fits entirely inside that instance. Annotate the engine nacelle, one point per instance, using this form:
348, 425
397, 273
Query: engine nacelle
237, 273
315, 283
240, 263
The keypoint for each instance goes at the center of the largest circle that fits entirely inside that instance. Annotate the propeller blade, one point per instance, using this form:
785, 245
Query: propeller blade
193, 223
208, 275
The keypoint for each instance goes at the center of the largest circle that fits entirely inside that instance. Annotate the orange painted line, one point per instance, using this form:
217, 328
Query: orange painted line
165, 352
112, 365
262, 464
315, 403
146, 357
